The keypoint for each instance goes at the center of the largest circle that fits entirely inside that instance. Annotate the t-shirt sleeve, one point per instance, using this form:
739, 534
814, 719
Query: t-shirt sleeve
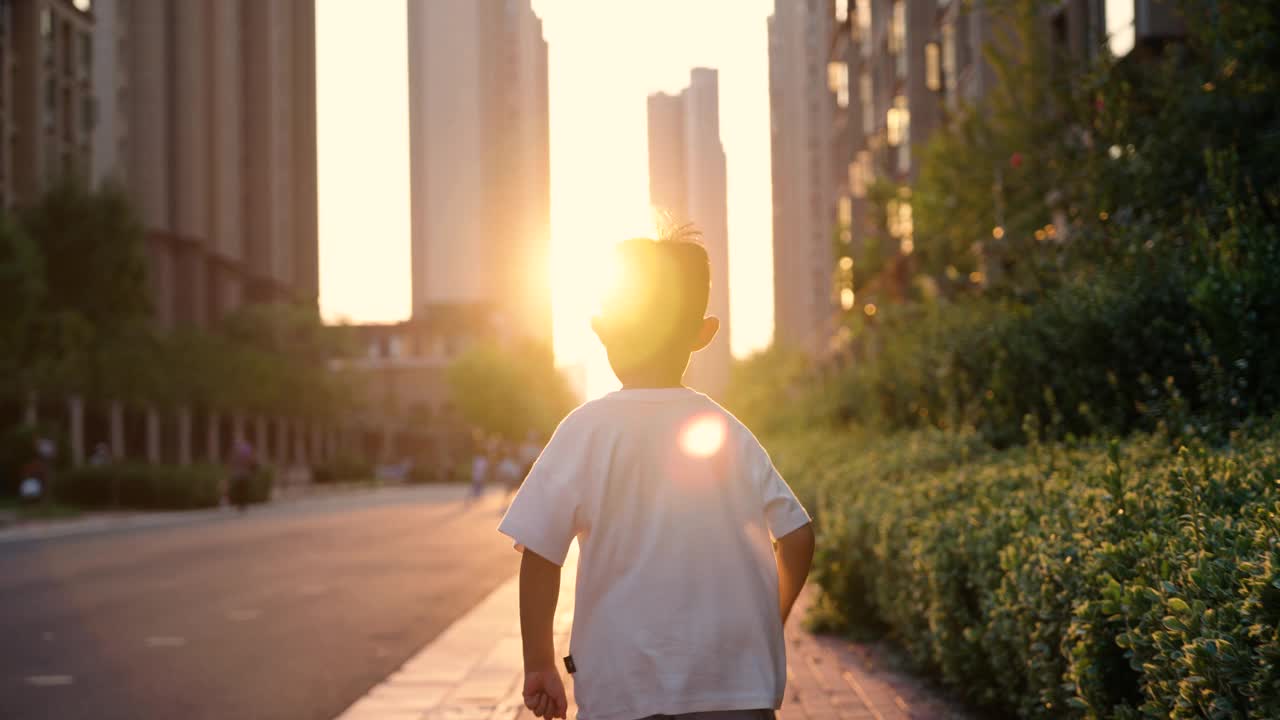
543, 516
783, 512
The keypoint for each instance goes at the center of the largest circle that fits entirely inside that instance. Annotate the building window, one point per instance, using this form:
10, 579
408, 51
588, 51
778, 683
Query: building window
1121, 33
898, 121
46, 34
898, 28
838, 82
842, 10
949, 58
933, 67
862, 28
867, 102
860, 174
844, 218
88, 114
898, 37
86, 56
50, 102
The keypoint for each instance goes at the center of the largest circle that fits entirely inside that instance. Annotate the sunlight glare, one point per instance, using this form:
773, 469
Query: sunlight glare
703, 435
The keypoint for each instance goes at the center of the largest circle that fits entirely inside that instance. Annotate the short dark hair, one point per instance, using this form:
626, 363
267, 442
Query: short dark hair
661, 292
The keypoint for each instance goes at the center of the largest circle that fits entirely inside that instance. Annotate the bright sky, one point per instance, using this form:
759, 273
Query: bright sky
606, 57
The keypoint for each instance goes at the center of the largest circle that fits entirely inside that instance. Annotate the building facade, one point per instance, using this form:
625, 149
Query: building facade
802, 112
203, 112
46, 95
219, 154
687, 183
480, 160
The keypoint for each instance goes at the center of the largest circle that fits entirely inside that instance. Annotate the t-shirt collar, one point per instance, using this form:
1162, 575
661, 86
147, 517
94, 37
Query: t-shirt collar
653, 394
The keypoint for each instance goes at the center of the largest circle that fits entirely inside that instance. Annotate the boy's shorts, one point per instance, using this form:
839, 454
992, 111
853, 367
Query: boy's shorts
718, 715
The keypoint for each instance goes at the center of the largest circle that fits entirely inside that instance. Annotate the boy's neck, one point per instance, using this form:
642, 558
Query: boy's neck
653, 381
652, 386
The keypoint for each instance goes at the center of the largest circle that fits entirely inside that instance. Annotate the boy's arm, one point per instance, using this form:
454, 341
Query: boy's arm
794, 554
539, 589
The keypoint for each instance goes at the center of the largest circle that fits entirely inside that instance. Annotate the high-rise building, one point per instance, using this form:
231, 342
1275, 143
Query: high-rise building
802, 109
46, 96
687, 184
210, 124
480, 161
204, 112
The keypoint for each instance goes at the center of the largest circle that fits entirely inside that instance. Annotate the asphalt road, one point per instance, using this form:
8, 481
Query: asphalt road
291, 611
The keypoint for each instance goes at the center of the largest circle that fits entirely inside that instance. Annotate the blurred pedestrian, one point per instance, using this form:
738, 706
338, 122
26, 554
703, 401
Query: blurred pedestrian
510, 472
101, 455
244, 463
481, 466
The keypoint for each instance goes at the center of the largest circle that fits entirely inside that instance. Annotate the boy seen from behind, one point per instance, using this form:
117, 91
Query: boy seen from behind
692, 547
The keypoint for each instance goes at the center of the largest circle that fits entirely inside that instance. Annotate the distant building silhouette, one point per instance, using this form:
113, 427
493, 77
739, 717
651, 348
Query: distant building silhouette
480, 160
687, 182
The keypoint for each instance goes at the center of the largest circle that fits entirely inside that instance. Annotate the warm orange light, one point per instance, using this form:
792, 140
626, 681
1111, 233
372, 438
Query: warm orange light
703, 435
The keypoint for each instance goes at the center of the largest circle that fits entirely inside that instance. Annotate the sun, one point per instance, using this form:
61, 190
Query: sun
583, 269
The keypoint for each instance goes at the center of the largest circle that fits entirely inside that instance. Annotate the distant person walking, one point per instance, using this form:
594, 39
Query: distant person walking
244, 463
481, 466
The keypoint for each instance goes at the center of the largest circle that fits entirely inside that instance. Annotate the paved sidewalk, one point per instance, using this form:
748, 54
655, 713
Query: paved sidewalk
473, 671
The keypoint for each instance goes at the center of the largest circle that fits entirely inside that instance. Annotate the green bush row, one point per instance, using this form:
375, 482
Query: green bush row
154, 487
1135, 579
343, 469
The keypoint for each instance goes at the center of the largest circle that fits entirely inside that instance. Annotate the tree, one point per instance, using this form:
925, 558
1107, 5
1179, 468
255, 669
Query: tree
94, 258
21, 293
509, 391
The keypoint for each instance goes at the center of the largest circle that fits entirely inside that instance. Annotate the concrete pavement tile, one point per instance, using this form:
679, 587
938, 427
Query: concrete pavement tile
409, 697
367, 709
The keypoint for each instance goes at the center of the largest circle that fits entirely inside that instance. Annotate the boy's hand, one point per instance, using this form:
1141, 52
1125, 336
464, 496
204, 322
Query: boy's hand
544, 694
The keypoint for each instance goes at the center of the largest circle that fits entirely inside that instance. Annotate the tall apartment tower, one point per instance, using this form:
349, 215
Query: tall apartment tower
687, 183
480, 161
804, 174
219, 151
46, 96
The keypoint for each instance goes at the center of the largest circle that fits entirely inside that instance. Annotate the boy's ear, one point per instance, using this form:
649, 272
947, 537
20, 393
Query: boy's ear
707, 332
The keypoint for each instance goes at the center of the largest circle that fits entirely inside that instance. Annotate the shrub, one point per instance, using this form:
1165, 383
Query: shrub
1125, 580
343, 469
142, 486
256, 490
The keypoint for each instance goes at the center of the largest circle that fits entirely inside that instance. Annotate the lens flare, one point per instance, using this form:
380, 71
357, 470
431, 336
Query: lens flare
703, 435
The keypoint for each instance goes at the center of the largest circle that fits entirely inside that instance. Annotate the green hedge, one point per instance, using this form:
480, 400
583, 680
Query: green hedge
1136, 579
143, 486
343, 469
257, 489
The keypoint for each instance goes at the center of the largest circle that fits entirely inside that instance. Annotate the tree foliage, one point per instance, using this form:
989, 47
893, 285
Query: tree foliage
73, 281
509, 391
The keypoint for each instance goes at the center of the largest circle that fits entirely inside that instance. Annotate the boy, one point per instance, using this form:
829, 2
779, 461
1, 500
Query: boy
681, 596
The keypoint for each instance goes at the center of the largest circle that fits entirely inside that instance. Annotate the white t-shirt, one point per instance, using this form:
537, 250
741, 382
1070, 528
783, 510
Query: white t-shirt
674, 504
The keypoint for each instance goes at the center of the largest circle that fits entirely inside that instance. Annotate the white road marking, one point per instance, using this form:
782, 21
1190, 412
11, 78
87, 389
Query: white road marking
243, 615
49, 680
